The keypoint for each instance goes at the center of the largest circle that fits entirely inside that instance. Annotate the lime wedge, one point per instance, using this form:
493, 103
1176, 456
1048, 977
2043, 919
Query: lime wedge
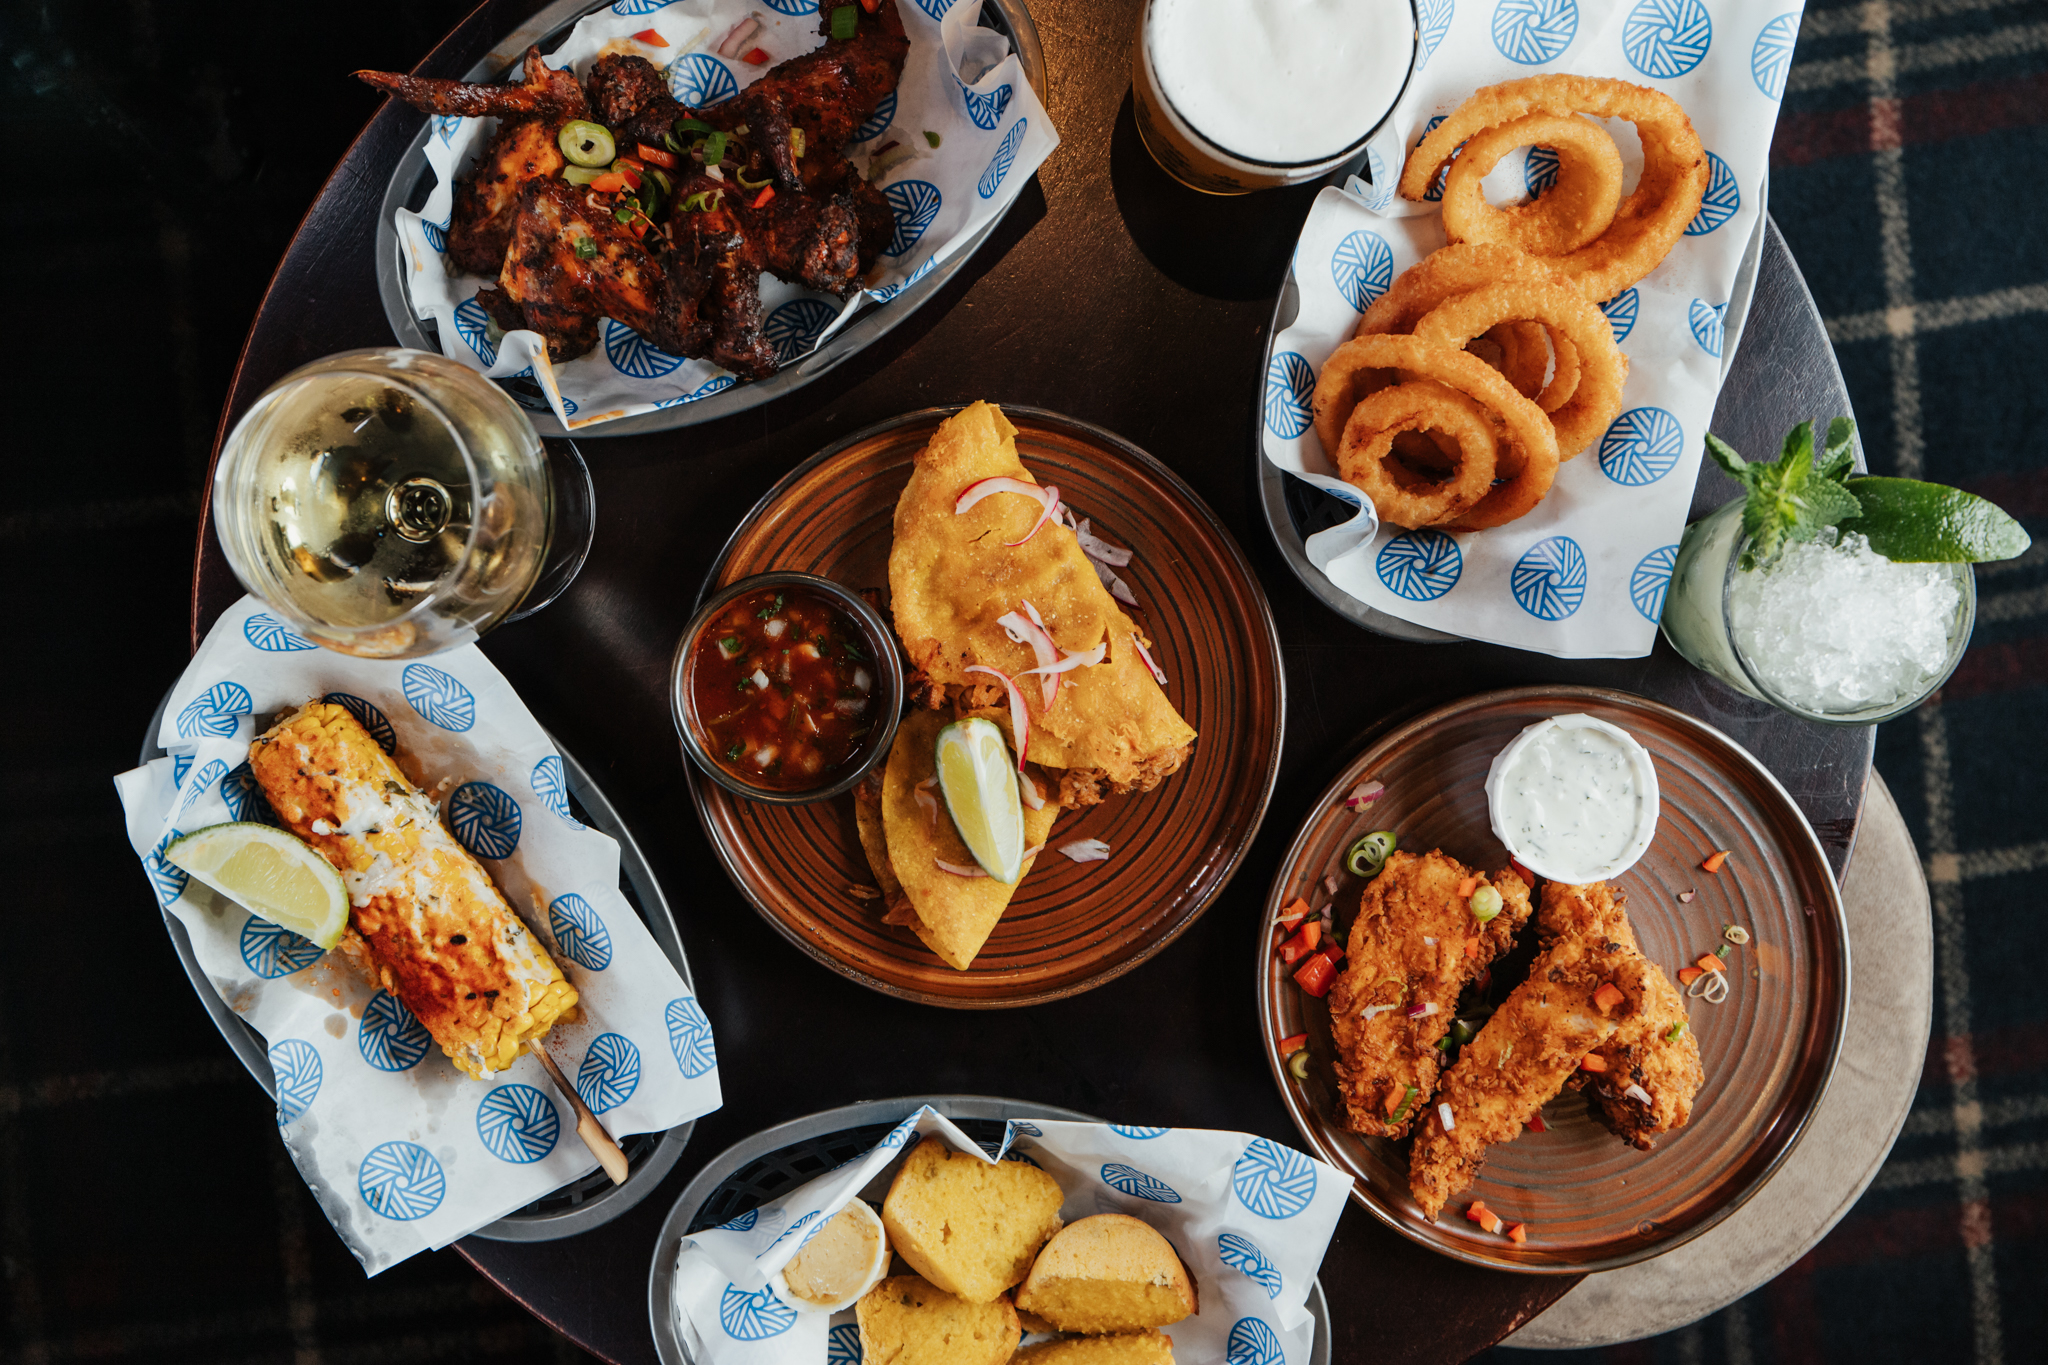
979, 782
1910, 522
271, 874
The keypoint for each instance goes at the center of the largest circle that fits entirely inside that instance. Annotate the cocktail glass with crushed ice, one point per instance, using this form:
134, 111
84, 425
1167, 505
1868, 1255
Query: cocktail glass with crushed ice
1832, 631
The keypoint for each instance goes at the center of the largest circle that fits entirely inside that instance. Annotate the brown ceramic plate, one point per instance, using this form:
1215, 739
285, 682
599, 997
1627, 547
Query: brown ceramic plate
1591, 1201
1072, 926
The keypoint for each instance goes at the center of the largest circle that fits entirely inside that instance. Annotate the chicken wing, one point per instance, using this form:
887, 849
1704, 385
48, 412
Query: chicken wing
1533, 1044
1414, 945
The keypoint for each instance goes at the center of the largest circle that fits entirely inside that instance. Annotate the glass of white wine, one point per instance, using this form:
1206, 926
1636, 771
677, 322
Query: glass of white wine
394, 503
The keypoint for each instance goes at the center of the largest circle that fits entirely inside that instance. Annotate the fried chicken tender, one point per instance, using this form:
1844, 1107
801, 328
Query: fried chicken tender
1414, 942
1641, 1052
1534, 1042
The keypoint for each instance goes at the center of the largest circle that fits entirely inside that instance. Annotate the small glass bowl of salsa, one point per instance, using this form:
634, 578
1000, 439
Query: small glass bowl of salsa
786, 688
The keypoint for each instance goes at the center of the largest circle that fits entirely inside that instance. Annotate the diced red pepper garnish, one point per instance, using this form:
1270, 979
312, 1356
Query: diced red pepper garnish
1295, 913
1607, 997
1713, 863
655, 156
1518, 1232
755, 57
1592, 1061
650, 37
1537, 1125
1524, 873
767, 193
628, 165
611, 182
870, 5
1688, 975
1303, 943
1290, 1046
1707, 962
1316, 974
640, 229
1467, 887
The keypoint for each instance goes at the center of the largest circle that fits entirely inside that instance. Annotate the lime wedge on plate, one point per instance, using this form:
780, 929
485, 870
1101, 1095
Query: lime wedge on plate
979, 782
1910, 522
271, 874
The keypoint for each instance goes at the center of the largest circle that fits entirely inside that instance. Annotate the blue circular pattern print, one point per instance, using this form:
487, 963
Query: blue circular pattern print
1433, 21
1243, 1255
245, 798
807, 1220
1771, 58
1136, 1133
794, 328
439, 698
437, 235
1273, 1181
1723, 199
742, 1222
1026, 1129
689, 1036
899, 1136
718, 383
935, 8
295, 1063
272, 951
633, 355
986, 109
580, 934
753, 1317
1380, 192
1435, 192
389, 1038
1621, 313
486, 819
1539, 169
213, 772
1134, 1182
445, 126
916, 203
215, 712
1641, 446
630, 8
794, 7
1420, 565
473, 325
1290, 383
878, 122
1650, 580
518, 1123
1549, 581
1252, 1342
369, 717
1363, 267
1005, 157
890, 291
401, 1181
1533, 32
1707, 329
610, 1072
1667, 38
551, 784
180, 765
166, 878
842, 1344
699, 79
273, 636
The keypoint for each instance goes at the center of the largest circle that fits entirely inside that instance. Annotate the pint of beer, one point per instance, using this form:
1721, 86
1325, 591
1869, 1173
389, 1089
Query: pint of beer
1232, 97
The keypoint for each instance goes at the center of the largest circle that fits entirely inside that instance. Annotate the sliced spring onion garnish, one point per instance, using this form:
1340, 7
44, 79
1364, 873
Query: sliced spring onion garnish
586, 144
1086, 850
1020, 715
1375, 1011
1158, 673
1735, 933
1364, 794
1297, 1065
1369, 854
1673, 1033
1402, 1112
845, 22
1443, 1114
1486, 903
958, 869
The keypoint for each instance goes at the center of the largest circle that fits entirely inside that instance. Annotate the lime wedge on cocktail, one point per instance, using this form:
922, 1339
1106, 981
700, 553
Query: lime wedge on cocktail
1910, 522
979, 782
271, 874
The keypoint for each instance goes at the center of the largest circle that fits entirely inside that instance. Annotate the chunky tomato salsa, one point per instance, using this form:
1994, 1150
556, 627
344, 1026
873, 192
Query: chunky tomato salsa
783, 683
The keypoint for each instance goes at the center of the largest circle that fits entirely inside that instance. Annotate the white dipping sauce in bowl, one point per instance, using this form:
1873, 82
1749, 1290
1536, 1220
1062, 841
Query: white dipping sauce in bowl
1574, 799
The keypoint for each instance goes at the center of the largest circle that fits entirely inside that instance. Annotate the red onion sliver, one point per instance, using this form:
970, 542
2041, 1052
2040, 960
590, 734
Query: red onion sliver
1020, 715
1330, 883
1640, 1096
929, 804
1027, 788
1158, 673
1364, 794
1423, 1010
958, 869
1052, 502
738, 36
1443, 1113
1086, 850
982, 488
929, 782
1032, 852
1095, 547
1028, 632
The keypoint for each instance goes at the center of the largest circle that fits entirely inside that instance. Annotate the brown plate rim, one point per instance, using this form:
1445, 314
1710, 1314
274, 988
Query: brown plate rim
1566, 696
1268, 629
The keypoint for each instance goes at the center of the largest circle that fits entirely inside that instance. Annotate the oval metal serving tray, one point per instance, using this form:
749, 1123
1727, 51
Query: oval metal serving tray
414, 178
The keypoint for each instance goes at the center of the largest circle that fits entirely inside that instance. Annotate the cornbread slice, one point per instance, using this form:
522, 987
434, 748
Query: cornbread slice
969, 1226
1108, 1273
906, 1321
1127, 1348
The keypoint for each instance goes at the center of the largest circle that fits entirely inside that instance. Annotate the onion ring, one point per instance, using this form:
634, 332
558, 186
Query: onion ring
1577, 208
1527, 458
1602, 368
1402, 495
1648, 222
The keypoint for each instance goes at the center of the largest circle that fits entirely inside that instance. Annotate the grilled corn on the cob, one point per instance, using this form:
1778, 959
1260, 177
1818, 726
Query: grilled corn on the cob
426, 921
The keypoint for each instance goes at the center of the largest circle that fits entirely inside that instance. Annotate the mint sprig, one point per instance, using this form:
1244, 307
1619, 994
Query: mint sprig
1795, 497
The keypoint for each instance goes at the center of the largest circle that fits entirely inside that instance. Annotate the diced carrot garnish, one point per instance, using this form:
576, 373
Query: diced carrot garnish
1707, 962
1303, 943
1394, 1098
1607, 997
1714, 861
1537, 1125
1290, 1046
611, 182
1592, 1061
756, 57
1475, 1210
650, 37
1492, 1221
655, 156
1688, 975
1518, 1232
1295, 913
767, 193
1471, 947
1467, 887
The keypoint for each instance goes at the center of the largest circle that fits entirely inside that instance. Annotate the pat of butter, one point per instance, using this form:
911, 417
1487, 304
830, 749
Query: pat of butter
844, 1260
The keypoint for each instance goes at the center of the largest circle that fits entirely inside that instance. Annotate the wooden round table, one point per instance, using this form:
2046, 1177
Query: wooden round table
1115, 295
